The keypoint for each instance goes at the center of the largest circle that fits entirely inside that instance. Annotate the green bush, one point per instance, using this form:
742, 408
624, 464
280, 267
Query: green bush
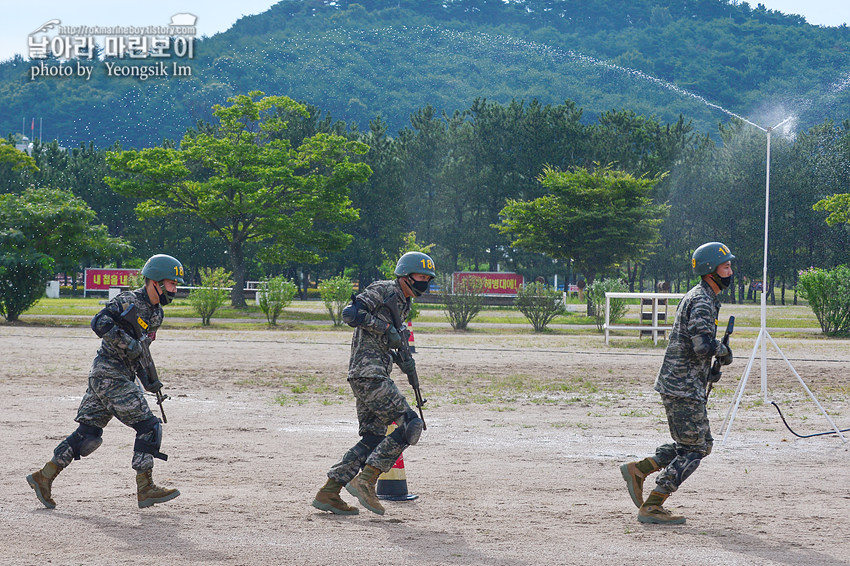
464, 303
336, 294
828, 294
596, 295
212, 294
23, 277
539, 304
275, 294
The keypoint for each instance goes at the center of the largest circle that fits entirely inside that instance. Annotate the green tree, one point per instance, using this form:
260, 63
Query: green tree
597, 218
212, 293
336, 293
42, 230
12, 163
23, 273
463, 301
275, 294
246, 182
539, 304
828, 294
838, 207
382, 206
596, 298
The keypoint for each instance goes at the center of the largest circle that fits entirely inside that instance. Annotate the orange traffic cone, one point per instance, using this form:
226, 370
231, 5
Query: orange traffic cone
410, 338
392, 486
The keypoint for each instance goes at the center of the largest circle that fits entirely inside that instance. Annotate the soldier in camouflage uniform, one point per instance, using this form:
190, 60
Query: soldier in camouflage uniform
379, 401
682, 383
112, 391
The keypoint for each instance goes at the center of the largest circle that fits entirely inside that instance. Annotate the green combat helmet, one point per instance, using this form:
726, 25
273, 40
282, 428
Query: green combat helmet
708, 256
415, 262
161, 267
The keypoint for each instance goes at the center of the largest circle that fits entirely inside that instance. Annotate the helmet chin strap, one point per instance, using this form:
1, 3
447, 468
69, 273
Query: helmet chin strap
405, 285
164, 297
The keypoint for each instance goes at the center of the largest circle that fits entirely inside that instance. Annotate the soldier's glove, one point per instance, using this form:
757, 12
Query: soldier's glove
723, 354
714, 375
413, 379
144, 378
393, 338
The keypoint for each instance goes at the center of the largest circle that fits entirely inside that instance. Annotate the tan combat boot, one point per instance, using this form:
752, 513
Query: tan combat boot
328, 499
634, 473
150, 493
363, 488
42, 480
652, 511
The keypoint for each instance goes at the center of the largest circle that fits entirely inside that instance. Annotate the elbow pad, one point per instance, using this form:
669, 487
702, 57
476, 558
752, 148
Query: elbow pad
354, 314
102, 323
704, 345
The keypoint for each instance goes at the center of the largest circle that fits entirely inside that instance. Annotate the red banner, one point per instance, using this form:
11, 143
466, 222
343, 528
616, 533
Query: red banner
495, 283
103, 279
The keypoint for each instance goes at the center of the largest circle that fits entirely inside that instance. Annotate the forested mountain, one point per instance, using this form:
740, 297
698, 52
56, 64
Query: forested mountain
359, 60
463, 105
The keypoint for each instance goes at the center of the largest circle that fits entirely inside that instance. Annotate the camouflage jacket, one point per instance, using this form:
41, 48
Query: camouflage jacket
370, 355
693, 343
114, 341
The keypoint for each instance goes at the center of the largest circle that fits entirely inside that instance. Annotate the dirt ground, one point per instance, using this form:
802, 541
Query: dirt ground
519, 465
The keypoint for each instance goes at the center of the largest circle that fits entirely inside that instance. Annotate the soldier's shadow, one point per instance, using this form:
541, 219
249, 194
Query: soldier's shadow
156, 534
452, 547
781, 552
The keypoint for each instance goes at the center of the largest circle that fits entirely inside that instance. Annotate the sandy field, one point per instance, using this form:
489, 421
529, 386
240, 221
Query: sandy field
519, 465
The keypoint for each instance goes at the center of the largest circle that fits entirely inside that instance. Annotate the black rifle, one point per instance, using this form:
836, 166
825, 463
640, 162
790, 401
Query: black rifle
404, 354
136, 326
715, 368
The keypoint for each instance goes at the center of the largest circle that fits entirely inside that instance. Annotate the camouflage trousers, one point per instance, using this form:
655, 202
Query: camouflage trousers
112, 392
379, 404
692, 441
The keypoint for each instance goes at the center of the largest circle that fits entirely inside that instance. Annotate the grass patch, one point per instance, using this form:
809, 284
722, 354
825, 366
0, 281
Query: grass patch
484, 389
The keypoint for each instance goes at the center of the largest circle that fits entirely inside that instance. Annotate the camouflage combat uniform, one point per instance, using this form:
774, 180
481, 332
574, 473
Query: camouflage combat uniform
112, 390
682, 383
379, 401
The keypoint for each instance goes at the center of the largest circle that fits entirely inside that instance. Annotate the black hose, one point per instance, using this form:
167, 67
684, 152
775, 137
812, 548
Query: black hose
832, 432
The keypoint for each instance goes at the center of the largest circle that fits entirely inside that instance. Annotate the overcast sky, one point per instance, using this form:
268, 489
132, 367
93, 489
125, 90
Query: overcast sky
19, 19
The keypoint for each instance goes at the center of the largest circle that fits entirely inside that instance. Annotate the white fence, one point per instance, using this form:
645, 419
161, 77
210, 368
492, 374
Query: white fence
653, 298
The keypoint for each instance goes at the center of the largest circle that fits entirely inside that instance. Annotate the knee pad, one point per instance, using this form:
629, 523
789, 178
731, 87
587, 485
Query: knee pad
367, 443
370, 441
149, 438
85, 440
685, 464
411, 427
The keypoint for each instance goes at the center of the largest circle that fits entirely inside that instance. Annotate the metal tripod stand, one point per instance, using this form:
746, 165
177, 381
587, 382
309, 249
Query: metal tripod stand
764, 336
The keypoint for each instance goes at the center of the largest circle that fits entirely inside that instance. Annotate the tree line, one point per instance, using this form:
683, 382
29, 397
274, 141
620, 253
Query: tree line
309, 197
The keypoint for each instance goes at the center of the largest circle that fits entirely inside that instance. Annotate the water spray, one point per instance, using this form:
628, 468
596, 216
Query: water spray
764, 336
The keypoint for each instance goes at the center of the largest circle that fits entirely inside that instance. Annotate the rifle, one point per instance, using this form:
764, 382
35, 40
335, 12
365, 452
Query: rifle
715, 368
404, 353
136, 326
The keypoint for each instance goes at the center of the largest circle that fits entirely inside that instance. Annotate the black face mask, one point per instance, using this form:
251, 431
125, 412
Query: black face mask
167, 297
722, 282
419, 287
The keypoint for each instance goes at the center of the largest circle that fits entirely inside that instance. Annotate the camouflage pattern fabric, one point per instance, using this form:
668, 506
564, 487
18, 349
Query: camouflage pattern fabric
378, 399
379, 404
112, 390
370, 355
692, 441
684, 372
